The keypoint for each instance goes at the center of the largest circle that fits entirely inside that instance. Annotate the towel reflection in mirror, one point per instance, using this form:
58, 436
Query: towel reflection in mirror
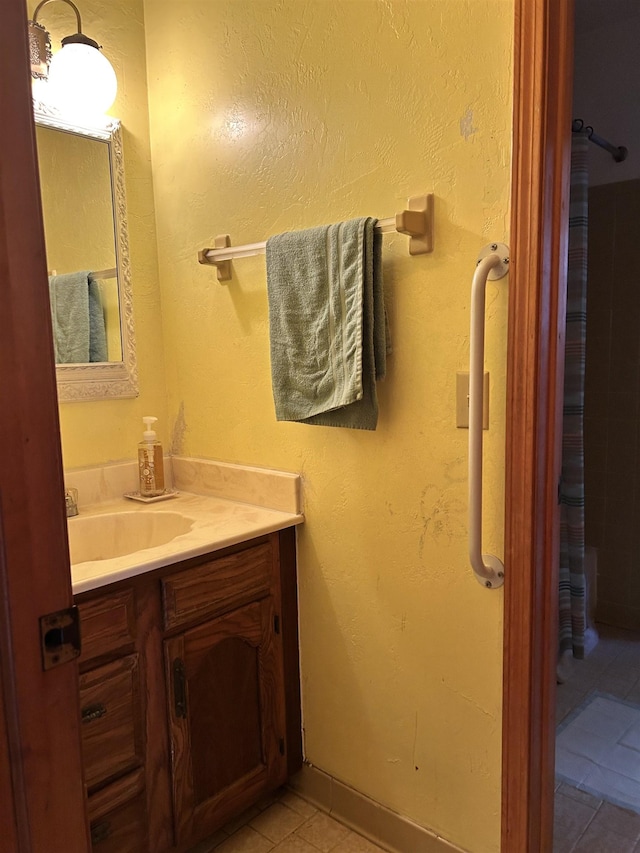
79, 332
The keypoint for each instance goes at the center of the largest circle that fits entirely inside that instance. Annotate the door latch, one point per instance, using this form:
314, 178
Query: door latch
60, 637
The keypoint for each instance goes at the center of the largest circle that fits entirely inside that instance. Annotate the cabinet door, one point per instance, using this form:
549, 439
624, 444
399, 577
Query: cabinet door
227, 717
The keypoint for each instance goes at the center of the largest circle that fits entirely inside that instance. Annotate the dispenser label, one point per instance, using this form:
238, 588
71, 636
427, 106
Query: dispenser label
151, 471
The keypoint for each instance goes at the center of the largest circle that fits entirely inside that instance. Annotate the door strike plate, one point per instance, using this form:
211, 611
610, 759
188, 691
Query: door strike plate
60, 637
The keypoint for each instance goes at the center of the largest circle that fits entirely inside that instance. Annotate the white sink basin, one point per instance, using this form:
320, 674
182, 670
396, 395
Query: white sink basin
116, 534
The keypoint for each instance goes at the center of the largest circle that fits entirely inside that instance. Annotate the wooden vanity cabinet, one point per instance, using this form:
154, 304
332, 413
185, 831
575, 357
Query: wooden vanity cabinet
190, 692
112, 714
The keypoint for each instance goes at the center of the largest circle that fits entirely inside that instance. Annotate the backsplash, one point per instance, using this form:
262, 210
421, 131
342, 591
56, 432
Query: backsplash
265, 487
261, 486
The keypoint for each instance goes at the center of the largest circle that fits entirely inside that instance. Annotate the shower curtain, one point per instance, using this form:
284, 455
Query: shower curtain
572, 572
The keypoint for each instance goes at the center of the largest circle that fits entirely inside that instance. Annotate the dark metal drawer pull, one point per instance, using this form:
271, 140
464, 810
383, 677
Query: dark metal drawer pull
93, 712
179, 688
100, 831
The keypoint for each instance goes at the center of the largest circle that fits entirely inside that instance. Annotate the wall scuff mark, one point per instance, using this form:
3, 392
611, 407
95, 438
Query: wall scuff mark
466, 124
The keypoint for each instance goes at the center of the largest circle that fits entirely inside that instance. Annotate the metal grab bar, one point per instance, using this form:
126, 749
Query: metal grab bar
493, 263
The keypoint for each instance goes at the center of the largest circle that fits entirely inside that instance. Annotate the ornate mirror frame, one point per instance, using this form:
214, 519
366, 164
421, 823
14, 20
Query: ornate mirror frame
104, 380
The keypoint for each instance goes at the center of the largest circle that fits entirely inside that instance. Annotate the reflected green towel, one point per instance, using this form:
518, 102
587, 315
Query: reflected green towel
69, 297
97, 328
79, 334
327, 324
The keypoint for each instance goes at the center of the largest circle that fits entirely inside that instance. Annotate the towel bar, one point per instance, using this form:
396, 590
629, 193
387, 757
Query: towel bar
416, 221
493, 263
98, 274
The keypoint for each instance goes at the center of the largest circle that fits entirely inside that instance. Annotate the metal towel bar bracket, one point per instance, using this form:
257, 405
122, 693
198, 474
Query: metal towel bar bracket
493, 263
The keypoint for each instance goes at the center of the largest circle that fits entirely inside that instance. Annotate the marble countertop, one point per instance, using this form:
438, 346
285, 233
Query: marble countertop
217, 523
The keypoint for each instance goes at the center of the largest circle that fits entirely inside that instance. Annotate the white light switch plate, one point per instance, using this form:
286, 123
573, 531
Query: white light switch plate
462, 401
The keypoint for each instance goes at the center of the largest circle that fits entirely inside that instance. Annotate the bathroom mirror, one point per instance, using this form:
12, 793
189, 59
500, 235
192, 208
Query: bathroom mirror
85, 224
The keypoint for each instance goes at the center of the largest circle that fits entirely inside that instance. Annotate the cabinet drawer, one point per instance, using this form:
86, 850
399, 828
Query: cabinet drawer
217, 584
122, 830
111, 720
107, 624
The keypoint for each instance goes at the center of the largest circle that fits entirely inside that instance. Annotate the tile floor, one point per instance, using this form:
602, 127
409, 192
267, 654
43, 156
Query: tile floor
598, 750
285, 823
585, 823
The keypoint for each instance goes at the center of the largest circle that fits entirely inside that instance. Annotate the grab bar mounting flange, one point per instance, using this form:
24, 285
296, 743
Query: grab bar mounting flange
501, 269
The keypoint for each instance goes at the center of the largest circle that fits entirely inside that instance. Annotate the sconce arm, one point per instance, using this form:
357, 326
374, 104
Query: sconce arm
73, 6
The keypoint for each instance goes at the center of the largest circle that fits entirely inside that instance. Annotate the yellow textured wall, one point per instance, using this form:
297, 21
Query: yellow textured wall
281, 114
103, 431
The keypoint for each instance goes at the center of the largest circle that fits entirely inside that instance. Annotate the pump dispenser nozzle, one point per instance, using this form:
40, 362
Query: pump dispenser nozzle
149, 434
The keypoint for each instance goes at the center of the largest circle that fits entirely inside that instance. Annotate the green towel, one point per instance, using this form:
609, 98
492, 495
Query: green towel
79, 334
97, 329
69, 297
327, 324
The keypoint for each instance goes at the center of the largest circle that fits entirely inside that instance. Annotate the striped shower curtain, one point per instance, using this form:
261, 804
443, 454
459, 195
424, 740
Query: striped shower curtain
572, 574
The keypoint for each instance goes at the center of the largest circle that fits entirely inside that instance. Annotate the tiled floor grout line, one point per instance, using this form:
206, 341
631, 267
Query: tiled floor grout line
583, 833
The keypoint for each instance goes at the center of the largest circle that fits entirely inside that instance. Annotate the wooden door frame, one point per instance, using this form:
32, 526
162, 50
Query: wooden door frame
543, 75
42, 798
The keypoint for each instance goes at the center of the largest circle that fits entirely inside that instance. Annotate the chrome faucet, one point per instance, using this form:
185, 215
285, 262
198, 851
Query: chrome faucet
71, 502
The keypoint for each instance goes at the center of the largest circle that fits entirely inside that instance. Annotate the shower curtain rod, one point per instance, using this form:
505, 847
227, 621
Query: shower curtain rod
618, 152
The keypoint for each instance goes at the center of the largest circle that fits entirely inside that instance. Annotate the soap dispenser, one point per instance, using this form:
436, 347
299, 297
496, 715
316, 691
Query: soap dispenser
150, 462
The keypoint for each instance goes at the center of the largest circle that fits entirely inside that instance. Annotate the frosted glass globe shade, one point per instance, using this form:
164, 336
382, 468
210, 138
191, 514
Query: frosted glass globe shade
82, 81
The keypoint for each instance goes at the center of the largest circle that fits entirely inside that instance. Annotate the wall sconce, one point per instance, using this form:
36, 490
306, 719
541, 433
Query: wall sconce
78, 81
